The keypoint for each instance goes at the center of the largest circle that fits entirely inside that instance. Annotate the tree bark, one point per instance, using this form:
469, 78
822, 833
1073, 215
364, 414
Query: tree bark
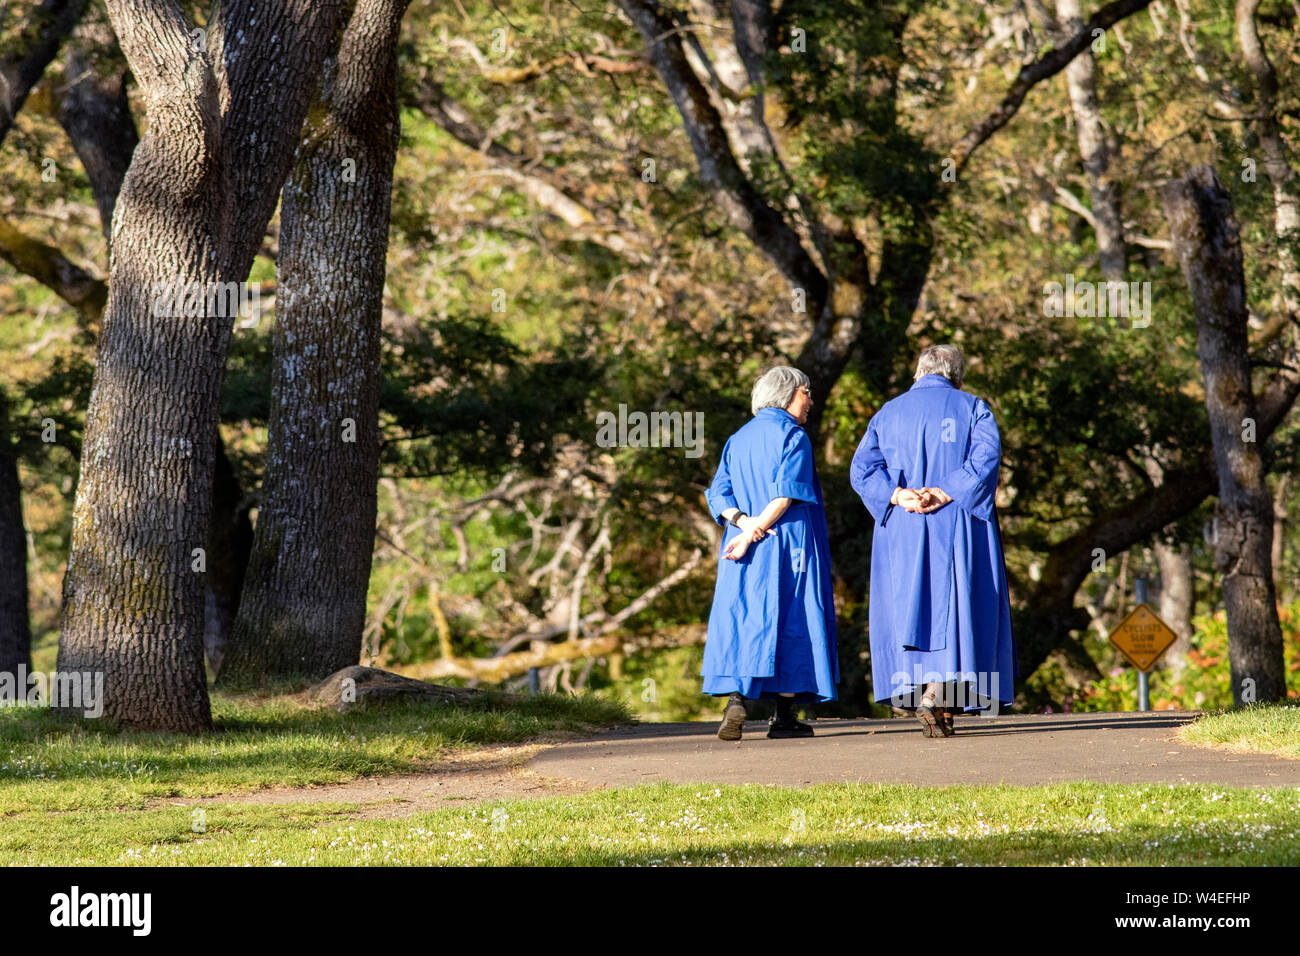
1177, 600
1280, 516
304, 604
719, 171
191, 213
95, 114
1095, 147
1206, 237
1034, 73
22, 65
230, 542
1286, 182
15, 626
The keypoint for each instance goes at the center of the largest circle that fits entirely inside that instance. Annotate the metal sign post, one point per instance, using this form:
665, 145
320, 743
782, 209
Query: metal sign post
1144, 687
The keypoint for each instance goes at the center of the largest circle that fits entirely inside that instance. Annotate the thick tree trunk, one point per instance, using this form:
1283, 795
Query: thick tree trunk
191, 213
1206, 238
304, 604
1286, 206
15, 628
95, 114
132, 600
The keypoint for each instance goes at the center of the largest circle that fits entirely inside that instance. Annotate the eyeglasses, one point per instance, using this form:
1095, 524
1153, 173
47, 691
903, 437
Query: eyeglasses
807, 391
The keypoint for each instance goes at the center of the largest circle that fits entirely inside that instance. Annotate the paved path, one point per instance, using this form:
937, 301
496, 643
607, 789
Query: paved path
1015, 749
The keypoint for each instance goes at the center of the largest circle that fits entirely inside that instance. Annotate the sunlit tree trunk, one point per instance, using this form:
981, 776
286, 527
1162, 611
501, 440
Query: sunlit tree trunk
224, 112
1177, 600
1280, 516
303, 609
1095, 146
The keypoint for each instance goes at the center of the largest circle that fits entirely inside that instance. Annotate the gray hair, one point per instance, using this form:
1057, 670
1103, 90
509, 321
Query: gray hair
945, 360
775, 388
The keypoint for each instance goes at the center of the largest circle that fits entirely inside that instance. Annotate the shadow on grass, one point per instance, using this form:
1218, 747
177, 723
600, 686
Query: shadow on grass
1131, 845
256, 733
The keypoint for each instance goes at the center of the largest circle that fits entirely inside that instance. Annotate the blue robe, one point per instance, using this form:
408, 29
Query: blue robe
772, 626
939, 605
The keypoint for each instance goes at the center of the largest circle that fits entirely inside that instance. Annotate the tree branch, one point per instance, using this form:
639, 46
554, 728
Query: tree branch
96, 115
22, 67
50, 267
1041, 69
718, 167
541, 183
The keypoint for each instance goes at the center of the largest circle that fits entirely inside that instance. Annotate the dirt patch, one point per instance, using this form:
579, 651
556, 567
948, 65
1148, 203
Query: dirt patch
1241, 747
484, 775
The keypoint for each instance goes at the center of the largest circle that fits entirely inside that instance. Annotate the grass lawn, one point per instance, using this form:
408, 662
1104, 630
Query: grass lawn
1267, 729
1073, 824
260, 741
74, 794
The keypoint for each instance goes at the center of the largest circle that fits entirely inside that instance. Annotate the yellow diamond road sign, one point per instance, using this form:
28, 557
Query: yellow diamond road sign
1142, 637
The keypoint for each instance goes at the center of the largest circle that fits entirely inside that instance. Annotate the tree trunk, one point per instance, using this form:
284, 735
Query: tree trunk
95, 114
1177, 600
1280, 515
1094, 145
1286, 206
35, 45
1206, 237
230, 542
15, 627
191, 213
304, 605
1286, 182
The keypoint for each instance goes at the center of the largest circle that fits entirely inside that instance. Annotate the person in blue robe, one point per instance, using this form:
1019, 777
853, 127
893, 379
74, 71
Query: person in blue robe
940, 615
772, 625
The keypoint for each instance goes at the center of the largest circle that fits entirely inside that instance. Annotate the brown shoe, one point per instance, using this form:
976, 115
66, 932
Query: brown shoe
928, 714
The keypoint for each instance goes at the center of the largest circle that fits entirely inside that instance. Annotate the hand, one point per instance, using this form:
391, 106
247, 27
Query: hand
738, 545
911, 499
936, 498
749, 525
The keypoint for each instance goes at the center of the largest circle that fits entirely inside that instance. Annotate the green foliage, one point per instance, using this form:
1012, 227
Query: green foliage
509, 328
664, 686
463, 399
1205, 682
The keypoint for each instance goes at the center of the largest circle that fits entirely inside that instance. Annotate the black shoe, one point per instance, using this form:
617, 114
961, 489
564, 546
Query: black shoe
779, 729
733, 718
946, 721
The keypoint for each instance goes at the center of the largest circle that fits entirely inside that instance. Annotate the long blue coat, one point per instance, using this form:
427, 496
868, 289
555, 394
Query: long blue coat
772, 625
939, 605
